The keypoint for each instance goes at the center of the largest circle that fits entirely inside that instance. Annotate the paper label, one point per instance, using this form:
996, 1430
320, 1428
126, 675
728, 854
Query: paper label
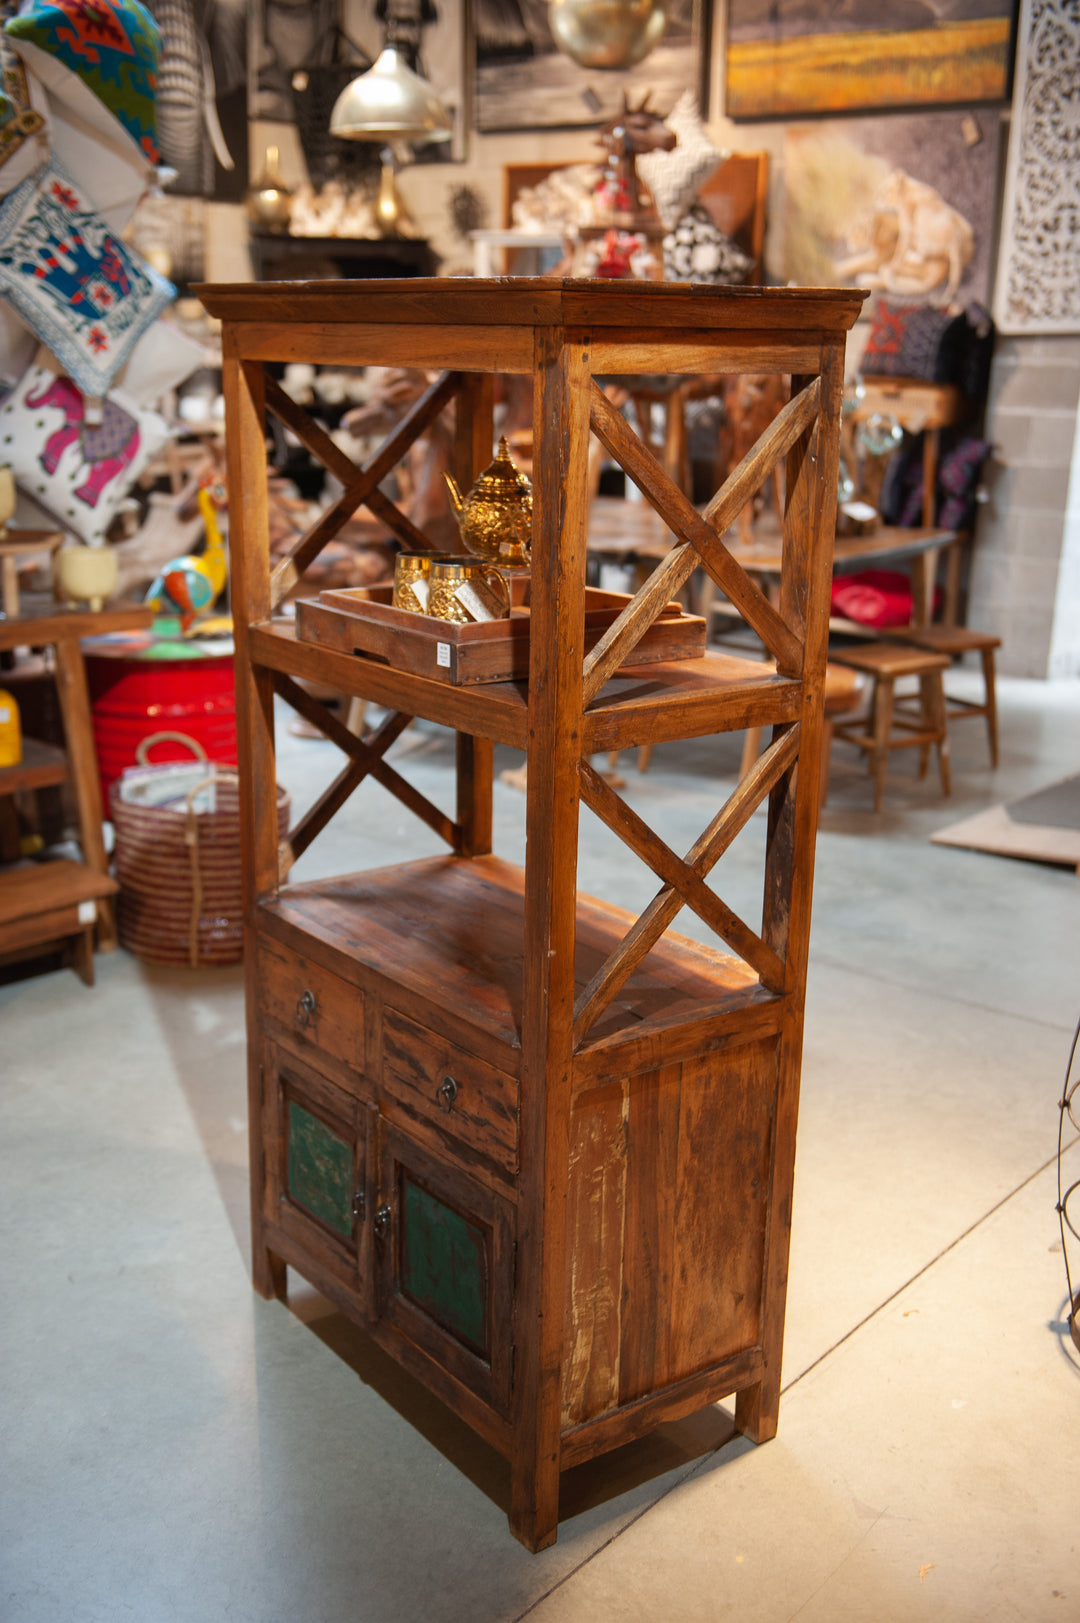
87, 912
442, 654
421, 590
479, 600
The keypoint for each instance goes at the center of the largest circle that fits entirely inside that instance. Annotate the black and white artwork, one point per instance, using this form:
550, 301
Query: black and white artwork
202, 96
524, 82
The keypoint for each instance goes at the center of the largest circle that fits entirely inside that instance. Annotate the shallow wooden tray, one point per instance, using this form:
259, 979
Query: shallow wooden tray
362, 620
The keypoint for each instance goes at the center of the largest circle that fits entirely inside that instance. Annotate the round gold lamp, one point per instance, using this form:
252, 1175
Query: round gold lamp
390, 103
607, 33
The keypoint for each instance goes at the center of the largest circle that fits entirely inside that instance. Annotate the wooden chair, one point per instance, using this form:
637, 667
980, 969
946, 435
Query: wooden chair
889, 727
843, 689
956, 641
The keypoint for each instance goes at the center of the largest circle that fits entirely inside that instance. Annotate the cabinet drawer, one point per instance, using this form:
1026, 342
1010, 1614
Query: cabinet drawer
468, 1098
313, 1004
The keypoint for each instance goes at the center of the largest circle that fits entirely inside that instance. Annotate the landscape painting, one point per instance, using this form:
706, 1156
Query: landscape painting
524, 82
795, 57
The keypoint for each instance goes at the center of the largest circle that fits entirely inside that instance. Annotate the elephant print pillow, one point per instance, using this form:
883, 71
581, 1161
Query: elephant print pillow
78, 463
75, 284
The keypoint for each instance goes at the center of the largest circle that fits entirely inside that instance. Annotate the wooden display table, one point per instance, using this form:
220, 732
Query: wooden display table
63, 900
541, 1150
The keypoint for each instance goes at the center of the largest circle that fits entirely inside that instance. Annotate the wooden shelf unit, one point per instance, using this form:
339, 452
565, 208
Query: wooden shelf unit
66, 901
541, 1150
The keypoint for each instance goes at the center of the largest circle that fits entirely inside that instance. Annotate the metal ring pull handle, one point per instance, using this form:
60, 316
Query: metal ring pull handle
446, 1093
381, 1222
305, 1008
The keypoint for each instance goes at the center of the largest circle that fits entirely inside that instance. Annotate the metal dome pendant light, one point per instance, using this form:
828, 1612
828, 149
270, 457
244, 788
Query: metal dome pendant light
608, 34
390, 103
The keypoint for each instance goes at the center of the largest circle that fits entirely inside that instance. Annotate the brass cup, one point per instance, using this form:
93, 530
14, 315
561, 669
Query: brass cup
410, 567
447, 574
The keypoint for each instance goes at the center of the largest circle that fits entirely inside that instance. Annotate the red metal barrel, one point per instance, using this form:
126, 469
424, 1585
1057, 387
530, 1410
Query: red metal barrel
136, 694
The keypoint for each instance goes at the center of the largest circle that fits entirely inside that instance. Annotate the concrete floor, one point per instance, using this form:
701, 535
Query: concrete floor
176, 1449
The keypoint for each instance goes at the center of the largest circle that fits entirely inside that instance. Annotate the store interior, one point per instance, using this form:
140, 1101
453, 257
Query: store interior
180, 1445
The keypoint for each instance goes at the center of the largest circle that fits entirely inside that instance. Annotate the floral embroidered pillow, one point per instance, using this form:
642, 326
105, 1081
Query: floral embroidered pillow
77, 467
112, 46
71, 279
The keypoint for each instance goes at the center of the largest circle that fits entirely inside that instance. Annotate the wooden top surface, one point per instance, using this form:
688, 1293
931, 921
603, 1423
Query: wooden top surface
54, 622
535, 301
450, 930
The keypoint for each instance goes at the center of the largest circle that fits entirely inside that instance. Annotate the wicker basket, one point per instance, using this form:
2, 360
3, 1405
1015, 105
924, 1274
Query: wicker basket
177, 860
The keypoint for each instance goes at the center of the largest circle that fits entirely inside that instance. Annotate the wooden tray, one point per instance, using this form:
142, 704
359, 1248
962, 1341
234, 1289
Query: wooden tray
362, 620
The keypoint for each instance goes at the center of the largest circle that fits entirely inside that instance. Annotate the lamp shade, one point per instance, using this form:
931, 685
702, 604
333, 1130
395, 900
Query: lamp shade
390, 103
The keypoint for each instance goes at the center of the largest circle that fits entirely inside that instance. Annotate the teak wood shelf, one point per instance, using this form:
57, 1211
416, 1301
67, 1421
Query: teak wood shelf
541, 1150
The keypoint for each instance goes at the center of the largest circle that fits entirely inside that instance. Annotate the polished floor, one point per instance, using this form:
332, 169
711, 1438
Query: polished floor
173, 1448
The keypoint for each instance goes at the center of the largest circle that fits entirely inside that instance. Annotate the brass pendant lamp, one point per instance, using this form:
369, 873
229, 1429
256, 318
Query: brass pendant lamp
608, 34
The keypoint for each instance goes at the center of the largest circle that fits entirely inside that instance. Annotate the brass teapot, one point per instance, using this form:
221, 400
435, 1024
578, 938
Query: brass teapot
495, 518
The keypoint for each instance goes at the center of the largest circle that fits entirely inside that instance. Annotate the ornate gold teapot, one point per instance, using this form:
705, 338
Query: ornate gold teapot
495, 518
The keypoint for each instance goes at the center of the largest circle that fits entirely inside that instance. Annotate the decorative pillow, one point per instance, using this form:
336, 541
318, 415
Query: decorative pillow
674, 178
958, 476
24, 142
164, 357
73, 281
79, 469
112, 46
914, 341
873, 597
98, 155
698, 251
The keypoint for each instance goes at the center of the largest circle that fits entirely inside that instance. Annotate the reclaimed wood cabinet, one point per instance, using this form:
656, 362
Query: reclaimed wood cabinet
540, 1148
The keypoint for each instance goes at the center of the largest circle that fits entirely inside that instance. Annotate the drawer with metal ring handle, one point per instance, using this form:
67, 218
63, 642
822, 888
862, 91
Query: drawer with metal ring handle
471, 1099
311, 1003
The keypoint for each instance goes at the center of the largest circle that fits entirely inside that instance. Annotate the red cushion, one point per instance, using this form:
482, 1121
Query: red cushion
873, 597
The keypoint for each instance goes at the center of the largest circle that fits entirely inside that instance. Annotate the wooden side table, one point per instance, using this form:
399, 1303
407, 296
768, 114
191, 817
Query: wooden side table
54, 900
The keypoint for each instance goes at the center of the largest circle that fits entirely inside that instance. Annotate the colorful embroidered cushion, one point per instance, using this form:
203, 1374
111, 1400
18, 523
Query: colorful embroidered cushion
674, 178
24, 141
112, 46
79, 469
914, 341
84, 294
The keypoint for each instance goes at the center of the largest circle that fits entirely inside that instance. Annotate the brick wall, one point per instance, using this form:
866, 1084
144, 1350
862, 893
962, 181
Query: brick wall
1017, 561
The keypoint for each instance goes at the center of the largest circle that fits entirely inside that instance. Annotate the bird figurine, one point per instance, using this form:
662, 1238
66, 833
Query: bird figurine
191, 584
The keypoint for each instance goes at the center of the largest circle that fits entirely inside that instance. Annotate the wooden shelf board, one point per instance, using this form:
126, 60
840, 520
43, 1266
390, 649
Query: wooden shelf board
449, 932
41, 765
40, 887
641, 704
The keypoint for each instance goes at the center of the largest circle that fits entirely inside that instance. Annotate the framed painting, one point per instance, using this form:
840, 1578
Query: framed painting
522, 81
790, 58
903, 205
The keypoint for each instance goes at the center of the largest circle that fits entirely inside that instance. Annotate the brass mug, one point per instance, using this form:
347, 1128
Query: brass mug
412, 571
487, 596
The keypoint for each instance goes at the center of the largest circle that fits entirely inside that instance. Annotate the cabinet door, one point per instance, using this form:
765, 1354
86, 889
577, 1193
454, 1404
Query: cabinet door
317, 1168
444, 1261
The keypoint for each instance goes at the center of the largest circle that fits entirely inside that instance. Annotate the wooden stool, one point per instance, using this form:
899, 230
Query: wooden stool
956, 641
842, 690
886, 728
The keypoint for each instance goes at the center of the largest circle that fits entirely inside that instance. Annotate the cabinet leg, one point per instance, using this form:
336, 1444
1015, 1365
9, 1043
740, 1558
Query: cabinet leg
268, 1272
757, 1410
534, 1505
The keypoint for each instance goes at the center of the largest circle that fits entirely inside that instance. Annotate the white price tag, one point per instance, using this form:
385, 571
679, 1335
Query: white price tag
421, 590
87, 912
478, 600
442, 654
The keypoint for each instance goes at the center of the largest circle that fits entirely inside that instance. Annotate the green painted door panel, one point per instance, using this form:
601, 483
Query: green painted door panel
445, 1266
320, 1170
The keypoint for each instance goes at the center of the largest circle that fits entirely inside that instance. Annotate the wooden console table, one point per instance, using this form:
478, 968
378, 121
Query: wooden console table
540, 1149
63, 900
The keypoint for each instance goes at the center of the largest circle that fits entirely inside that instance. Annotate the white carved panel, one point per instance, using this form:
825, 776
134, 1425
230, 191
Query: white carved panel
1038, 280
